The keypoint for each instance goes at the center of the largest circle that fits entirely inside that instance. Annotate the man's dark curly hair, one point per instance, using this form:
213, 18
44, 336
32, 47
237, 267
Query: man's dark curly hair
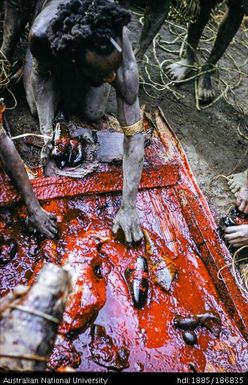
82, 24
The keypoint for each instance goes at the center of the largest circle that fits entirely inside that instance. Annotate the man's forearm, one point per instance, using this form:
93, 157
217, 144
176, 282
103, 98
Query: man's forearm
132, 168
131, 123
14, 167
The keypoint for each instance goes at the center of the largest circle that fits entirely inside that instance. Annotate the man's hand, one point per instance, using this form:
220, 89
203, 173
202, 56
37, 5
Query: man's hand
237, 236
127, 220
44, 222
242, 199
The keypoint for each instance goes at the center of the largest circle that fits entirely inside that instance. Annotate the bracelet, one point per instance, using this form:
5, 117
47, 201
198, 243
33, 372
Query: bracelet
135, 128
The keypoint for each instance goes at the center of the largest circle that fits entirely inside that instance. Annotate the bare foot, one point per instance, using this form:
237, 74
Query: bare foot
205, 89
179, 70
242, 199
237, 236
236, 181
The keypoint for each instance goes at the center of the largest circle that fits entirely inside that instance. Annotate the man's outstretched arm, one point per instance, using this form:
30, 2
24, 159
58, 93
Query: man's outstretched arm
127, 86
14, 167
127, 218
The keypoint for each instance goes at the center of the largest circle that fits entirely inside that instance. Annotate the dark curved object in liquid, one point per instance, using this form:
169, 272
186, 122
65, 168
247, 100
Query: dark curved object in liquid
137, 279
210, 321
8, 250
186, 323
190, 338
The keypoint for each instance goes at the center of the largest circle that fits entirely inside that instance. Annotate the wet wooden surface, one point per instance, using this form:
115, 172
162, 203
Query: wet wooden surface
101, 324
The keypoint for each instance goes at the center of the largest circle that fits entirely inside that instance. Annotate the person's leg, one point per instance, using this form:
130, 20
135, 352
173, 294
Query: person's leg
124, 3
236, 181
245, 6
155, 15
16, 14
40, 87
242, 198
242, 193
180, 69
41, 93
227, 30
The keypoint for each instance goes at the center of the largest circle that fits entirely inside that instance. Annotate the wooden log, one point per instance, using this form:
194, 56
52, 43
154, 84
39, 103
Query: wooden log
30, 320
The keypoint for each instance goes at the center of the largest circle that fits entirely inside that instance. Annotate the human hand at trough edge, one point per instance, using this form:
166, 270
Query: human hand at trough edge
43, 221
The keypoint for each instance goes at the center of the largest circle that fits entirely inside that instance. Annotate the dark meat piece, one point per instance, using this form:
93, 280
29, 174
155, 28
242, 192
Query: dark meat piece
211, 321
190, 338
186, 323
137, 279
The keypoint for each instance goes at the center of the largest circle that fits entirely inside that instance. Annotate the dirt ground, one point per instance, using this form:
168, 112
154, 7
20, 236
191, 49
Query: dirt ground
210, 136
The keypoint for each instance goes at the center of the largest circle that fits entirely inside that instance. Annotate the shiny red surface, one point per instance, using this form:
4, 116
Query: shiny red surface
181, 232
106, 179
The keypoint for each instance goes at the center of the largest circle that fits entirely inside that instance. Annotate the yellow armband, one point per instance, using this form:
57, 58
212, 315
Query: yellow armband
135, 128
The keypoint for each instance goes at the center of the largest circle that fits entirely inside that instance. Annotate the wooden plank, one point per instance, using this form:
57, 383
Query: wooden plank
99, 182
